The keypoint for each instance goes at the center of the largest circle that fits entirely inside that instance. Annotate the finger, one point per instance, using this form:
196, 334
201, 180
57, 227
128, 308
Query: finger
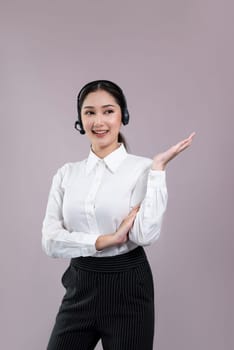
137, 205
185, 146
188, 139
135, 208
133, 214
192, 135
186, 142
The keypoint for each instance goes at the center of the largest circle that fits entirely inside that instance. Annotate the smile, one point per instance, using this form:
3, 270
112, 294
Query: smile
101, 132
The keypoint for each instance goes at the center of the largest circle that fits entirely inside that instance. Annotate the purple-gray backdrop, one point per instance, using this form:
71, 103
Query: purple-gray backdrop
174, 61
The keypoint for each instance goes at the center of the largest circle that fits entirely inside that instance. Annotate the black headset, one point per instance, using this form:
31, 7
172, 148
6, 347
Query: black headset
124, 109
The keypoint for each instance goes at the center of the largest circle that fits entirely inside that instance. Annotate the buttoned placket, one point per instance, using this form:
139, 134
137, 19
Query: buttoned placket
90, 199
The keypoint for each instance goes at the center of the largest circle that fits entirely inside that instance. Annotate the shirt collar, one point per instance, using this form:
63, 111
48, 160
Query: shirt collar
112, 160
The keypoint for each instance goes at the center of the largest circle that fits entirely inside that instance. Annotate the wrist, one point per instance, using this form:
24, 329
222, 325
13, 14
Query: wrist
158, 166
117, 237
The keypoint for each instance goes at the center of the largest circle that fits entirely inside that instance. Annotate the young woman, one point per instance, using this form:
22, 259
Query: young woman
101, 211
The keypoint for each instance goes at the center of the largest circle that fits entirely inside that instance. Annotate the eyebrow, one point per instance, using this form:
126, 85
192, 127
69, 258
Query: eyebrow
102, 106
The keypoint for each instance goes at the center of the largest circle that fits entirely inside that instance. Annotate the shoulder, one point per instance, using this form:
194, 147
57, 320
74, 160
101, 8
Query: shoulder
137, 165
139, 161
67, 169
69, 166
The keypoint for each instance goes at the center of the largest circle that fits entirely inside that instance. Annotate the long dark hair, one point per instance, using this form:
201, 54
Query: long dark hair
112, 89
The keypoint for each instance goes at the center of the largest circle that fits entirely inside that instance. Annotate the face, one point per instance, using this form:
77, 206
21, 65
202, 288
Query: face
101, 118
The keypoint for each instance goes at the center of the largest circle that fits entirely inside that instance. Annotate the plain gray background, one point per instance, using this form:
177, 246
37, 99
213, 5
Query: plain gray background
174, 61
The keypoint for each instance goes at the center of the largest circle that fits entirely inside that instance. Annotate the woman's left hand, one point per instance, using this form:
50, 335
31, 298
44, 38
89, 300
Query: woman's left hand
160, 160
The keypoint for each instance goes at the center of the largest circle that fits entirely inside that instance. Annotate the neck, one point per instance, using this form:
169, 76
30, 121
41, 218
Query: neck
103, 152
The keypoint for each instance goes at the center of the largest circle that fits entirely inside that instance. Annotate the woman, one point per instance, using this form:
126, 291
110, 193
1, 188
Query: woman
100, 213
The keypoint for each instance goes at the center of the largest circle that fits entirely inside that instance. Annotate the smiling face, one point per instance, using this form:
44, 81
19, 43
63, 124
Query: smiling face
101, 118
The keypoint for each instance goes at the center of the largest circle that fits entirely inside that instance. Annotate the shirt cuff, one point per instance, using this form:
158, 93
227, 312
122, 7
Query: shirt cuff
156, 178
88, 246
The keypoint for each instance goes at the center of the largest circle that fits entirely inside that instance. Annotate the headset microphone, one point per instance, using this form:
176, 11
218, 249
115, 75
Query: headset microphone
77, 128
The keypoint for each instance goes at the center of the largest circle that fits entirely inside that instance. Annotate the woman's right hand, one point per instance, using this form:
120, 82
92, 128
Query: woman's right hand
121, 235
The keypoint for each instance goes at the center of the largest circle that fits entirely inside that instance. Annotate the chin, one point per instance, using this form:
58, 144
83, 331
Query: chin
105, 143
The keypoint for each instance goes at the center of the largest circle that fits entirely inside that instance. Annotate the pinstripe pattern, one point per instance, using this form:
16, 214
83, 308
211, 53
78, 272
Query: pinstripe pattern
107, 298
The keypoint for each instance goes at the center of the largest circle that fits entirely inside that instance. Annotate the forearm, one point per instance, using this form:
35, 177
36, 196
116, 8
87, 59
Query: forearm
58, 242
148, 222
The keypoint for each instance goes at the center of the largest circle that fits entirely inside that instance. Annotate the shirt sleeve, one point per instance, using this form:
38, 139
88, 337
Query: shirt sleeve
57, 241
151, 191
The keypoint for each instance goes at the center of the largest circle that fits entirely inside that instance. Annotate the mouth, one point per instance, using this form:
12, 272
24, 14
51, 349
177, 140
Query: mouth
100, 132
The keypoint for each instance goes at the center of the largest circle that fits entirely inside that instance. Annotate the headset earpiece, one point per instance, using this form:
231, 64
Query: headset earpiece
125, 117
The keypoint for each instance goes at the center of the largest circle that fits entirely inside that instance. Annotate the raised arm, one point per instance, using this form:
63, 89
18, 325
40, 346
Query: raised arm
152, 190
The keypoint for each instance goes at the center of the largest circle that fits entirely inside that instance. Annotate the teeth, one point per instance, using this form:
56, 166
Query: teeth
100, 132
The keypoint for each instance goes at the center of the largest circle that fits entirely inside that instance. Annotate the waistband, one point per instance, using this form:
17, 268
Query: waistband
116, 263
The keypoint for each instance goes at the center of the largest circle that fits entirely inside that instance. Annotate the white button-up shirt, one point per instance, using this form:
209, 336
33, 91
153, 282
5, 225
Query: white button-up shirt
91, 197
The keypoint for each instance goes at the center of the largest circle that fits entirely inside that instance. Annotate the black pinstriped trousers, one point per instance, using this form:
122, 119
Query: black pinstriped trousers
107, 298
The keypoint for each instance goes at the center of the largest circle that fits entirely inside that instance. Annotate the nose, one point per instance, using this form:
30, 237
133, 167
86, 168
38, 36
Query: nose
98, 118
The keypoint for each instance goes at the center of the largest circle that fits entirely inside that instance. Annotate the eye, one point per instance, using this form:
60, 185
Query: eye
109, 111
88, 112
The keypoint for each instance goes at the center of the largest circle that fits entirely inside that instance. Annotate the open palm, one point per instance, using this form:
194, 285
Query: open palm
161, 159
